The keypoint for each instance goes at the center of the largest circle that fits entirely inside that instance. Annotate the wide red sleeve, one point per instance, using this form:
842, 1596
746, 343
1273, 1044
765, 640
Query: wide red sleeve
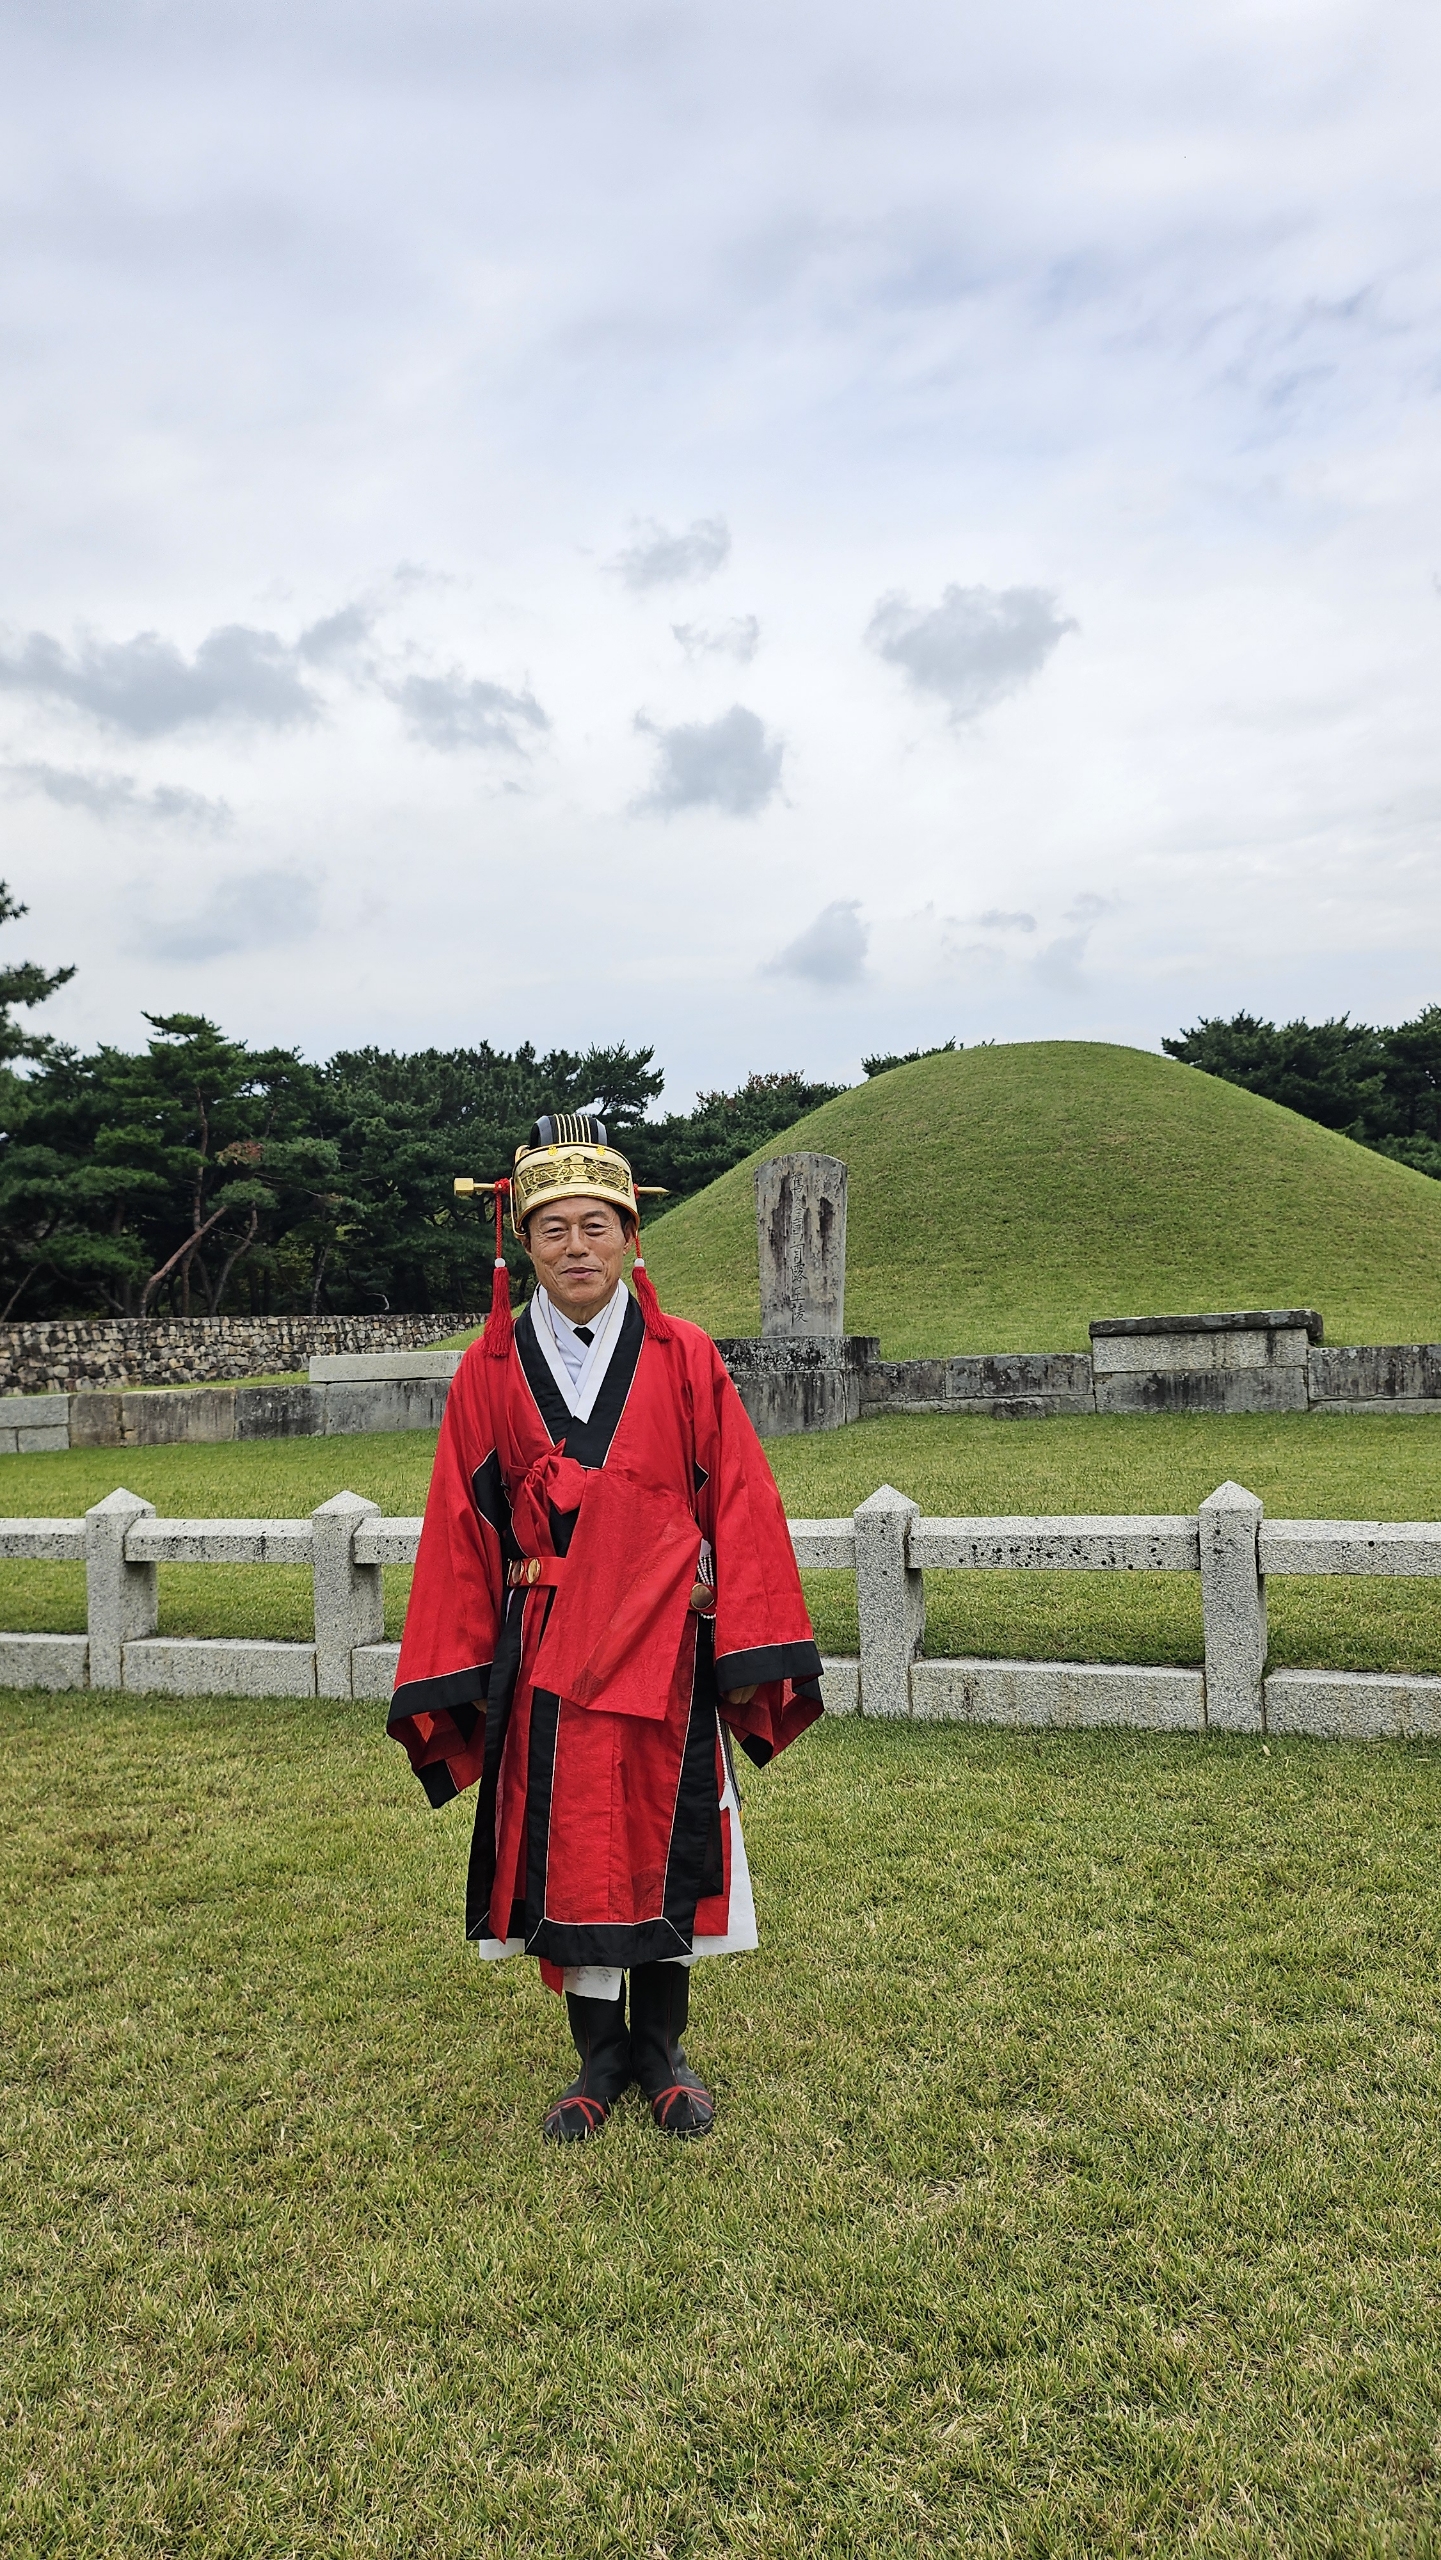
763, 1637
456, 1599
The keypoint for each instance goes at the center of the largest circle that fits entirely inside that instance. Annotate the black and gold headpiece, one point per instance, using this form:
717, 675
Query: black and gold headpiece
568, 1157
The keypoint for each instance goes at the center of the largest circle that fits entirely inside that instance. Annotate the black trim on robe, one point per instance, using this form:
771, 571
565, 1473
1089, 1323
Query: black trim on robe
587, 1442
454, 1692
549, 1402
800, 1663
696, 1864
540, 1781
450, 1695
487, 1486
622, 1943
480, 1875
695, 1867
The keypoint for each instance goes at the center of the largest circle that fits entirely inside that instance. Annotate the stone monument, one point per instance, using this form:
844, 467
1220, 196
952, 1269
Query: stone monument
801, 1236
805, 1372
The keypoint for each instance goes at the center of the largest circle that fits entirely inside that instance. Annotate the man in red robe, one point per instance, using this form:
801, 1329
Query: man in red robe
605, 1594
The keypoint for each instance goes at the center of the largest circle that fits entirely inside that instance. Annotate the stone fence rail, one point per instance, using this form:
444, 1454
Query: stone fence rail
1228, 1543
172, 1351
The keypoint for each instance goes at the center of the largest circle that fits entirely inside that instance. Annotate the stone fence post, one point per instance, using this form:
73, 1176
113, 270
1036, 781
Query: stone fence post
1233, 1610
349, 1597
890, 1602
121, 1600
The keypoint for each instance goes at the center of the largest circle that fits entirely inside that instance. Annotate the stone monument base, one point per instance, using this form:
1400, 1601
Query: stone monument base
802, 1382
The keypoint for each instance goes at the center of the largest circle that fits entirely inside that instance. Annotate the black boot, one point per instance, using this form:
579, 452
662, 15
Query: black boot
602, 2040
659, 2006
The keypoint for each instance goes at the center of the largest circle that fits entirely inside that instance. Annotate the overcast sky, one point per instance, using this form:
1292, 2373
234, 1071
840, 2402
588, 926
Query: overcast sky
778, 531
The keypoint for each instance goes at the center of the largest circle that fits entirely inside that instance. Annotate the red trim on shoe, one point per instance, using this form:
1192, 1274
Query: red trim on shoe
699, 2098
593, 2120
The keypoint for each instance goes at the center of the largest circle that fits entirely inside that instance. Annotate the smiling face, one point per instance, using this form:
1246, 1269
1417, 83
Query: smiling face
579, 1249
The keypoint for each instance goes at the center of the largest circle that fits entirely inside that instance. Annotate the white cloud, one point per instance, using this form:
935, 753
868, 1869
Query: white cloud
655, 558
1058, 965
457, 710
974, 647
247, 911
732, 764
148, 686
739, 638
831, 952
118, 795
337, 636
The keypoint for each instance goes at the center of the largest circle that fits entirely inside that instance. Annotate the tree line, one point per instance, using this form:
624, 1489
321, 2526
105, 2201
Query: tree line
1379, 1086
202, 1176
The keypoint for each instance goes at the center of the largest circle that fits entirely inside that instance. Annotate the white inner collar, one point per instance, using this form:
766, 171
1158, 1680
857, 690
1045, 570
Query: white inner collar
552, 1330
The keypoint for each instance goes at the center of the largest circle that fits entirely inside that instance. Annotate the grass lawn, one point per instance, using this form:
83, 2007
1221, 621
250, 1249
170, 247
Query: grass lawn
1385, 1467
1073, 2190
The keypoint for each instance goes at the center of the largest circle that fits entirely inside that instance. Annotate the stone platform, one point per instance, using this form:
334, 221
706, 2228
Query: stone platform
1253, 1361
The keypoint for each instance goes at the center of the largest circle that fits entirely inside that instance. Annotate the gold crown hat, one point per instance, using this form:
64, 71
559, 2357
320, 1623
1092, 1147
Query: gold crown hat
566, 1157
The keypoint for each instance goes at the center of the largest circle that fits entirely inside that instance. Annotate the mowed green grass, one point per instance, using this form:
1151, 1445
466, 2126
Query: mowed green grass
1316, 1466
229, 1479
999, 1199
1382, 1467
1073, 2191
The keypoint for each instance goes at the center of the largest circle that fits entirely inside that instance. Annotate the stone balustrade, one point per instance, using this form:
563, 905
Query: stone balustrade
1228, 1543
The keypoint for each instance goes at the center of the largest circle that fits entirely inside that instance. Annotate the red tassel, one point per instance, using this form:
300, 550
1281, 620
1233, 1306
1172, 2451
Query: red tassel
499, 1330
650, 1306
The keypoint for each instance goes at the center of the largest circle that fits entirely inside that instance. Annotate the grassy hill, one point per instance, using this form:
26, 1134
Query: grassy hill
1000, 1198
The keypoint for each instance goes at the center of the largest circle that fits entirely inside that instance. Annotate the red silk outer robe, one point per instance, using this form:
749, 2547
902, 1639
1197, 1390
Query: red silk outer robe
585, 1705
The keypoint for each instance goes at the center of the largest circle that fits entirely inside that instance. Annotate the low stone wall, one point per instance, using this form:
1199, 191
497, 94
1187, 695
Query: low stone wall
1404, 1377
179, 1351
100, 1418
1261, 1360
1246, 1364
1254, 1360
1009, 1386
